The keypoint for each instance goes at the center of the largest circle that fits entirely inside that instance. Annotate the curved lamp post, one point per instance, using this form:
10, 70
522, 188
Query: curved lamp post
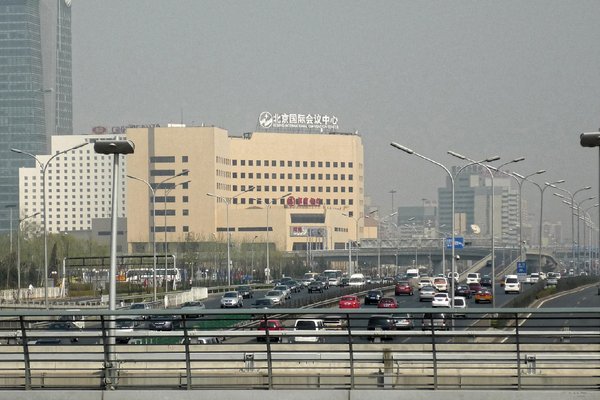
166, 193
412, 152
153, 230
356, 220
226, 201
572, 197
44, 167
592, 139
520, 179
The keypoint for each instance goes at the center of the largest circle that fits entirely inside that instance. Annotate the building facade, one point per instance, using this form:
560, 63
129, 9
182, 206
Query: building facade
473, 205
294, 191
35, 86
78, 185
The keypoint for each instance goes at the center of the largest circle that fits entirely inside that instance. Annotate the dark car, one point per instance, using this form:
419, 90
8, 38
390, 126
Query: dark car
486, 281
316, 286
294, 286
264, 303
381, 323
324, 280
195, 306
403, 287
373, 296
64, 326
463, 290
344, 282
435, 321
246, 291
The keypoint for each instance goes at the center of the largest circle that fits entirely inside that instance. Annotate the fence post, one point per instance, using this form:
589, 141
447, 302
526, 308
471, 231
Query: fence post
26, 361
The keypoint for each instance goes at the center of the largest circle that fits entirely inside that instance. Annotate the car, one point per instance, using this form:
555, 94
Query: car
381, 323
387, 302
344, 282
163, 322
316, 286
125, 325
427, 293
277, 296
534, 277
285, 289
65, 326
486, 281
474, 287
551, 279
270, 325
403, 287
463, 290
193, 306
232, 299
440, 300
324, 281
460, 304
373, 296
440, 283
306, 324
294, 286
307, 281
349, 302
403, 321
424, 282
246, 291
512, 284
435, 321
473, 277
263, 303
335, 322
483, 296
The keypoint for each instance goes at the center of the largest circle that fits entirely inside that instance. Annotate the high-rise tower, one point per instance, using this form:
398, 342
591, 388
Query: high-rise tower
35, 87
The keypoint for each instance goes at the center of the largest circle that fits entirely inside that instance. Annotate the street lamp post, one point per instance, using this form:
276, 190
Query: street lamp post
226, 201
153, 229
19, 254
379, 220
572, 196
356, 220
410, 151
492, 217
166, 192
44, 167
268, 269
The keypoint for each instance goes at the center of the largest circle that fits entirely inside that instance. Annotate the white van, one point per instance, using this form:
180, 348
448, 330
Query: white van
412, 273
512, 284
473, 277
357, 280
309, 325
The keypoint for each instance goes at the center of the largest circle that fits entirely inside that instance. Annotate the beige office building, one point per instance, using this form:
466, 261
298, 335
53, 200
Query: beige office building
294, 190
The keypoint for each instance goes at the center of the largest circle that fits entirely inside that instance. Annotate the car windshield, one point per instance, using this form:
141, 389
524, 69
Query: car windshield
244, 288
230, 294
347, 298
264, 302
512, 280
403, 283
273, 293
374, 293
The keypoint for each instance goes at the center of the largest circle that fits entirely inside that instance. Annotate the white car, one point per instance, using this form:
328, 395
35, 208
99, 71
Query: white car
473, 277
285, 289
308, 325
512, 284
424, 282
232, 299
460, 304
440, 283
534, 277
277, 296
440, 300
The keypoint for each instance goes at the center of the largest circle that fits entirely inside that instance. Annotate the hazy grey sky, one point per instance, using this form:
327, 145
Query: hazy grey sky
482, 78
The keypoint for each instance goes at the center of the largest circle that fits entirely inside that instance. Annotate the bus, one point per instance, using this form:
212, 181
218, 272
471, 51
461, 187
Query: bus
334, 276
141, 275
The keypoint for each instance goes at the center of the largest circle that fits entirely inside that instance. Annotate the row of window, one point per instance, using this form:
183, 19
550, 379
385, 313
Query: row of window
293, 164
328, 177
297, 189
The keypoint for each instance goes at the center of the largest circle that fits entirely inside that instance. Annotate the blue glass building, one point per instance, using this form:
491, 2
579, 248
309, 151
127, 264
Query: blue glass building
35, 88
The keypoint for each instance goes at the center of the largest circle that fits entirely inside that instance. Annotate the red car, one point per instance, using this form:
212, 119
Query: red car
387, 302
349, 302
270, 325
403, 287
475, 287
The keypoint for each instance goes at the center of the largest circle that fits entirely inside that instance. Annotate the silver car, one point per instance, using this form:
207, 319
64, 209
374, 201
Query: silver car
232, 299
277, 296
427, 293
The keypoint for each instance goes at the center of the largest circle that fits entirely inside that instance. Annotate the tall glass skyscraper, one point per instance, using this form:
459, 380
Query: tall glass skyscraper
35, 88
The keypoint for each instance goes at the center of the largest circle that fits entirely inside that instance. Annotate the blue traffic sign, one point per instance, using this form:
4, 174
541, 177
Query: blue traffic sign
521, 268
459, 242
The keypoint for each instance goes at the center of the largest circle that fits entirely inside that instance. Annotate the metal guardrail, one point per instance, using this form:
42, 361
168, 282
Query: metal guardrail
549, 349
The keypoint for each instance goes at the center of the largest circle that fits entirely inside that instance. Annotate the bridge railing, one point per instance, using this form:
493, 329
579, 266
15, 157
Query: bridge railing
517, 349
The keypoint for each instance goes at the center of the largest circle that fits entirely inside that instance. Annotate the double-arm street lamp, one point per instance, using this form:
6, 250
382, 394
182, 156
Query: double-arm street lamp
166, 192
379, 220
226, 201
153, 190
492, 216
356, 220
572, 197
412, 152
268, 269
44, 167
